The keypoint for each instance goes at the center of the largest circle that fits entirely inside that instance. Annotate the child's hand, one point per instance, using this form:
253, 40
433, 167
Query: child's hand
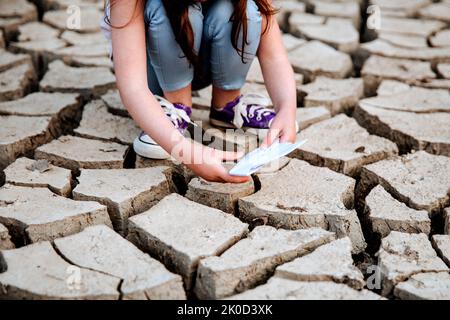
284, 127
210, 167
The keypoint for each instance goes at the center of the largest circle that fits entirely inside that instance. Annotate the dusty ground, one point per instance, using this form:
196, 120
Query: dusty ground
360, 212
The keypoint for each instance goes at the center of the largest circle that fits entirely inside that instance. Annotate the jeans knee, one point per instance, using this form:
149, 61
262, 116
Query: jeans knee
154, 10
155, 13
220, 13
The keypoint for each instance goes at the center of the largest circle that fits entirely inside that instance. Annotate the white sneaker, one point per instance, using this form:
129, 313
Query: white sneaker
179, 115
146, 147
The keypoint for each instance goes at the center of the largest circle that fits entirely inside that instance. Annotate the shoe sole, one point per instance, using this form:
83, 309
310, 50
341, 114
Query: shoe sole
150, 151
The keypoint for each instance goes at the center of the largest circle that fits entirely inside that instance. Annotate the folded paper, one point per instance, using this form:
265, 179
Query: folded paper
256, 159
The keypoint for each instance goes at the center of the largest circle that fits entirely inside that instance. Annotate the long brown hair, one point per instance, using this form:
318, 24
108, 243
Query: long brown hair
178, 14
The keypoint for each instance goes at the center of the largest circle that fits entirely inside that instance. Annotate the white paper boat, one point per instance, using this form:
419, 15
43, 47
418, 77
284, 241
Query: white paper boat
256, 159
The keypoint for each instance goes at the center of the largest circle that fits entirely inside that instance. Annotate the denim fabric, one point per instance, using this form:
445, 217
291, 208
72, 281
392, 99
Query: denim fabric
167, 67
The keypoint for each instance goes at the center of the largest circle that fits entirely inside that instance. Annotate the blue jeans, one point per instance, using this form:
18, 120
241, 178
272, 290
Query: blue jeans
167, 67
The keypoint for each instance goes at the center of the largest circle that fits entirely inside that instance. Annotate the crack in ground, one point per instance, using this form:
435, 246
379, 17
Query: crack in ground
62, 256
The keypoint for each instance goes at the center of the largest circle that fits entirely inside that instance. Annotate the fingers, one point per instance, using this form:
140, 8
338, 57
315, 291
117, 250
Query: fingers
272, 135
291, 137
227, 178
234, 179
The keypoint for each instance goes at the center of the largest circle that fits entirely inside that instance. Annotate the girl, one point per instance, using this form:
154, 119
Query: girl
170, 47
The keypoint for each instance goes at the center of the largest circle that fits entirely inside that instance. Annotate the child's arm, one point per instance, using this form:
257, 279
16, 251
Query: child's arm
280, 83
130, 64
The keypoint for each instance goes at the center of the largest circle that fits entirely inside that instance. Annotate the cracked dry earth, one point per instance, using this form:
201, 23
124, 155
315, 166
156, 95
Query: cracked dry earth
362, 211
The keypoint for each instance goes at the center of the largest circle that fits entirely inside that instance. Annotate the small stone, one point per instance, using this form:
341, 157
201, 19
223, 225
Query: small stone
37, 214
89, 20
38, 272
310, 116
441, 38
17, 81
338, 33
407, 41
253, 259
425, 286
65, 152
180, 233
36, 30
444, 70
402, 255
114, 103
385, 49
9, 60
125, 192
437, 11
317, 59
323, 200
387, 214
343, 146
338, 95
376, 69
39, 165
222, 196
409, 130
21, 135
5, 239
412, 99
100, 249
86, 81
442, 245
31, 173
329, 262
98, 123
420, 180
284, 289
